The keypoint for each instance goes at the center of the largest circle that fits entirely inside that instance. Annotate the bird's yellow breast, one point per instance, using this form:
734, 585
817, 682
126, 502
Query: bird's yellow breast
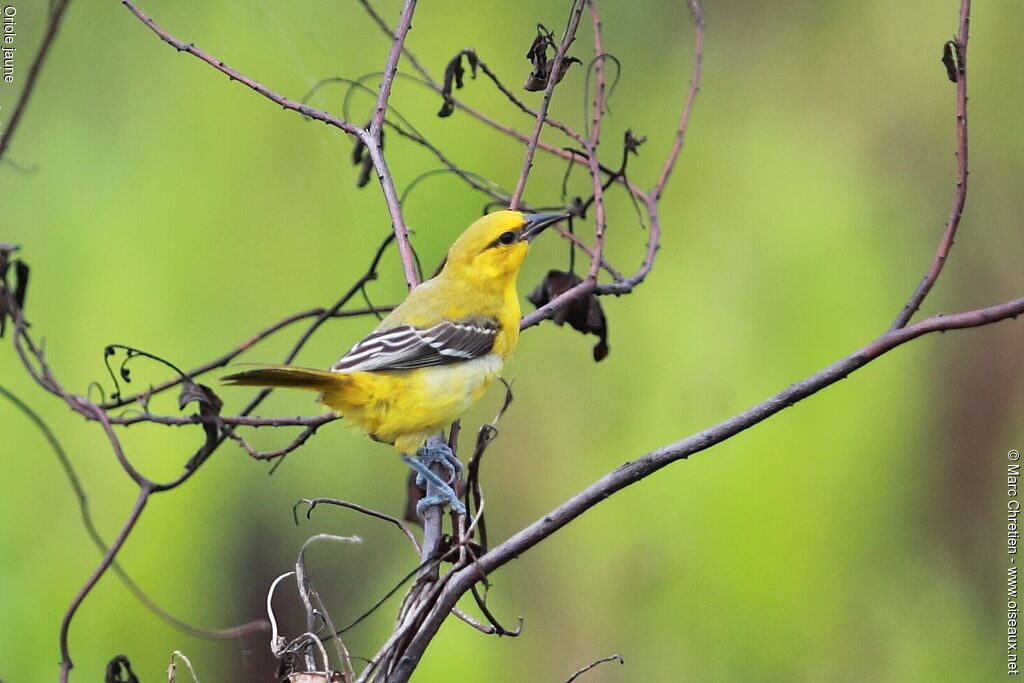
404, 408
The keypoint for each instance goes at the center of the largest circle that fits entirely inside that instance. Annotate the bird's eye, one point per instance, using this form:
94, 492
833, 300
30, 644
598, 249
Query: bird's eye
507, 238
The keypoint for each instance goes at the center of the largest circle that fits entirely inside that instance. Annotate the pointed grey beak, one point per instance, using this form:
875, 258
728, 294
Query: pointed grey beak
536, 222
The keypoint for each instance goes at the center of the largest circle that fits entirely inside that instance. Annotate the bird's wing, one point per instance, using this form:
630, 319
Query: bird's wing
406, 347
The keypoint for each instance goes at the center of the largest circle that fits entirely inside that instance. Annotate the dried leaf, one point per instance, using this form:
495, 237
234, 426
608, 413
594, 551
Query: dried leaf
209, 406
537, 80
632, 142
949, 60
584, 313
119, 670
11, 295
209, 403
454, 74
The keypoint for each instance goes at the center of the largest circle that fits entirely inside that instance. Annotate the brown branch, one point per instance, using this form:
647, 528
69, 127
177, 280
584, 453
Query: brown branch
371, 137
632, 472
108, 558
235, 75
372, 140
431, 83
959, 47
94, 534
579, 672
280, 452
49, 35
691, 95
226, 358
592, 141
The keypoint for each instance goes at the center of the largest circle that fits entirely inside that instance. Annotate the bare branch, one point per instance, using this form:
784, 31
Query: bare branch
556, 66
372, 139
588, 667
57, 10
65, 624
959, 48
234, 75
684, 119
631, 472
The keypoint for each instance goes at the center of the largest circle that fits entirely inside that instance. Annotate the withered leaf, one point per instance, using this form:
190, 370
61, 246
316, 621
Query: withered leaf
584, 313
119, 670
537, 80
454, 74
209, 403
209, 406
949, 60
12, 299
632, 142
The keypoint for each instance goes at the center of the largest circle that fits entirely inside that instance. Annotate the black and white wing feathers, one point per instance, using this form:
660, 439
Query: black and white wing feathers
406, 347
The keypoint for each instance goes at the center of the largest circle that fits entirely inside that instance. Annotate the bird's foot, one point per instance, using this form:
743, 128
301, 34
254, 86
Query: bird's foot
439, 452
438, 490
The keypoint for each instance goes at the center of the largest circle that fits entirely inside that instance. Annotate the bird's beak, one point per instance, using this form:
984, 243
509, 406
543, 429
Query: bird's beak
536, 222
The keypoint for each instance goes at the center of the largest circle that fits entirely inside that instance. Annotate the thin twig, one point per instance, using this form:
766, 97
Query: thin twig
691, 95
57, 10
94, 534
556, 66
372, 140
226, 358
588, 667
959, 45
314, 502
65, 653
592, 141
235, 75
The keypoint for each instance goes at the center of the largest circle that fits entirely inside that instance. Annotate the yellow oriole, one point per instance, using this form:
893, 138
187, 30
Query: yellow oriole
428, 361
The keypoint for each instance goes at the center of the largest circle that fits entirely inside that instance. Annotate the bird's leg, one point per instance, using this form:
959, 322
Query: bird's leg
443, 492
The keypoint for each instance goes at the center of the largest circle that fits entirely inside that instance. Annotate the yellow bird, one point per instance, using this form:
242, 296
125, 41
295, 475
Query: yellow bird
428, 361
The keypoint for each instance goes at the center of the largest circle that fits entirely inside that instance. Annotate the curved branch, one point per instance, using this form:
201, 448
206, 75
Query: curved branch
632, 472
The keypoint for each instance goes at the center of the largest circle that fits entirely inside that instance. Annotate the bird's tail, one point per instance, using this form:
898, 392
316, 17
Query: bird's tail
290, 376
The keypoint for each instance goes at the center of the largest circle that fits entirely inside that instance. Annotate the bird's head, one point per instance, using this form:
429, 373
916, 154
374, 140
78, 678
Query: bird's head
495, 245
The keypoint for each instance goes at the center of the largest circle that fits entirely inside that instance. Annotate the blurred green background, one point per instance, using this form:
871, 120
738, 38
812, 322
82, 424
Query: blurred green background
858, 536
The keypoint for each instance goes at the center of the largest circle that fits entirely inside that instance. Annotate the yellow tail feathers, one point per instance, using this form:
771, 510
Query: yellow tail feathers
288, 376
